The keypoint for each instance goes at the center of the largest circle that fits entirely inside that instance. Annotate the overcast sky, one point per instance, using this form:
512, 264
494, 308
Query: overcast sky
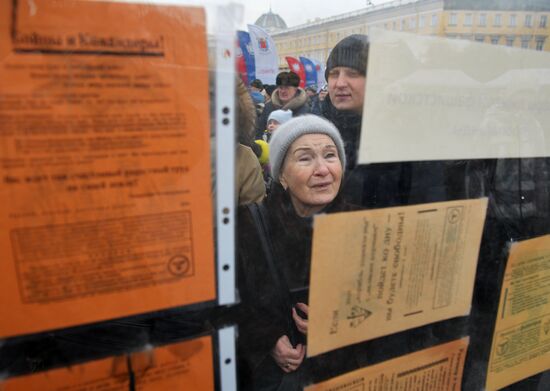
294, 12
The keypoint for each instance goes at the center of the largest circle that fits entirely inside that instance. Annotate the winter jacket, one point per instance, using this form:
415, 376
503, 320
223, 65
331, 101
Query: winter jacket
299, 105
265, 311
385, 184
250, 186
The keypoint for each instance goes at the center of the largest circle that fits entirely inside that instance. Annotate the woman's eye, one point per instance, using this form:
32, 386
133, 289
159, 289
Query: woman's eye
304, 158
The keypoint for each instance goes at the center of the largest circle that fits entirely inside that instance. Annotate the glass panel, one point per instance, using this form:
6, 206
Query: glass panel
379, 202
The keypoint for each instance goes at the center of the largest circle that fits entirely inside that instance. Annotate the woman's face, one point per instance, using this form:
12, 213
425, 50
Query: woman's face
311, 173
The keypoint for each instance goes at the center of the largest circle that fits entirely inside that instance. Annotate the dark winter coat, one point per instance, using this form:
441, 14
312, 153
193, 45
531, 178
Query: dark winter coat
265, 309
386, 184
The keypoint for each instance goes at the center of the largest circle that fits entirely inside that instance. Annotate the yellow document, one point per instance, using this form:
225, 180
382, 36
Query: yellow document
105, 194
521, 341
435, 369
377, 272
182, 366
434, 98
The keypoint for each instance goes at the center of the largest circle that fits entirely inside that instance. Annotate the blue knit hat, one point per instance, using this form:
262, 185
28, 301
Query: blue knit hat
291, 130
257, 97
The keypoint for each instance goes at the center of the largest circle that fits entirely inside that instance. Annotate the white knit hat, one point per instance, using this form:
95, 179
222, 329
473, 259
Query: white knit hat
287, 133
281, 116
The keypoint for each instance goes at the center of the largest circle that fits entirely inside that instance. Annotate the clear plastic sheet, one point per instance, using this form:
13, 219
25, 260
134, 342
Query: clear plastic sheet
236, 329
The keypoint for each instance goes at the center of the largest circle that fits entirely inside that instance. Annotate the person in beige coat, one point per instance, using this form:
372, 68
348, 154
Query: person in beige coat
249, 181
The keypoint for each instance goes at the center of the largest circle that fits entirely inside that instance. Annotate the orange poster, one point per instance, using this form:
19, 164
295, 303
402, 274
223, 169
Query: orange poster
182, 366
438, 368
105, 195
521, 339
397, 268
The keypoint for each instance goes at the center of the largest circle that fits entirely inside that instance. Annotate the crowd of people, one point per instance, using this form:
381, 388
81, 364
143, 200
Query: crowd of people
305, 143
275, 105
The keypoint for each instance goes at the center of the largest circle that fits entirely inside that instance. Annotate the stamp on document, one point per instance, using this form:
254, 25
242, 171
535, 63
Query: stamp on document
358, 315
179, 265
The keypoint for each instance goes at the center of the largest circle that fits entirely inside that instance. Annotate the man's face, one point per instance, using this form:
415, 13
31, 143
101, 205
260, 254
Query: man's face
346, 88
286, 93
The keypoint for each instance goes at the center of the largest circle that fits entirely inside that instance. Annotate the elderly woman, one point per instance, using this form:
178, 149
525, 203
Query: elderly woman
307, 156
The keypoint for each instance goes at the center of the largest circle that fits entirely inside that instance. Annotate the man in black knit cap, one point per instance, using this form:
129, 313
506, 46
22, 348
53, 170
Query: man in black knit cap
375, 185
345, 74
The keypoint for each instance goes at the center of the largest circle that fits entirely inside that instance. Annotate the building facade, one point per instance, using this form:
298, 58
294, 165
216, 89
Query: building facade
515, 23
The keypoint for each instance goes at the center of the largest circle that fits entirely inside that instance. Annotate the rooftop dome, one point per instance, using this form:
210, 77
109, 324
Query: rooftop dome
271, 22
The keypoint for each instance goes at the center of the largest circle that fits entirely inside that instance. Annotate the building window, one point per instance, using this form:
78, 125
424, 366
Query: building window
422, 21
543, 20
497, 20
528, 20
468, 20
403, 24
480, 38
394, 24
540, 43
434, 20
483, 19
495, 39
510, 41
452, 19
413, 23
512, 20
525, 42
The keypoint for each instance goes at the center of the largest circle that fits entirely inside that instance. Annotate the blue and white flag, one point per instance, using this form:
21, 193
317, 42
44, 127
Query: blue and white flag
248, 55
311, 72
320, 68
265, 54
